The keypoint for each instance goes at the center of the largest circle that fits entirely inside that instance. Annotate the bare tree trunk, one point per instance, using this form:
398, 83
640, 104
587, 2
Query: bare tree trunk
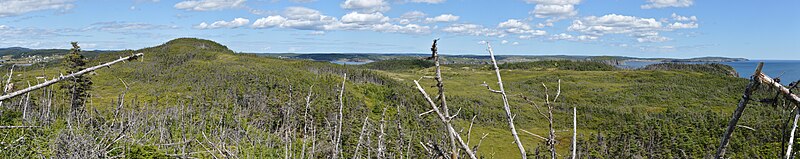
574, 132
305, 122
738, 112
505, 104
337, 145
8, 86
361, 137
442, 97
791, 136
445, 120
60, 78
381, 143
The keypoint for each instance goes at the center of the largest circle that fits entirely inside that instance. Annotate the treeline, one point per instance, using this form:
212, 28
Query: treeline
710, 68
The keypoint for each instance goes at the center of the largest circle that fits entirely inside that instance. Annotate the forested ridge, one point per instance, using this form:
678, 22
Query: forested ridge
196, 98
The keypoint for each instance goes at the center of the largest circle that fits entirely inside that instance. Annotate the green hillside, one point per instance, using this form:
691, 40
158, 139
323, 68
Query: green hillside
196, 98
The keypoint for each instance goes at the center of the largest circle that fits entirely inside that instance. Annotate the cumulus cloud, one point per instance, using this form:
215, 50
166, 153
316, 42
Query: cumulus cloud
614, 24
443, 18
679, 25
209, 5
362, 18
367, 6
235, 23
643, 29
677, 17
564, 36
554, 8
310, 19
472, 29
514, 26
667, 3
428, 1
17, 7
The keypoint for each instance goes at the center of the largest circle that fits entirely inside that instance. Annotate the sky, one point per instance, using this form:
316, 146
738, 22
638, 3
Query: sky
751, 29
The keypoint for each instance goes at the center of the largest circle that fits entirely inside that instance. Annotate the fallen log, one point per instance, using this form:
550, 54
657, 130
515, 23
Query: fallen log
61, 78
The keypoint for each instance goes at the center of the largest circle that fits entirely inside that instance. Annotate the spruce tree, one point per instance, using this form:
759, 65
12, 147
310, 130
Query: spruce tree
80, 85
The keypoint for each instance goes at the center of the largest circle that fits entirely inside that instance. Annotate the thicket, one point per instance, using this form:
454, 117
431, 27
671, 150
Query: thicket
561, 65
710, 68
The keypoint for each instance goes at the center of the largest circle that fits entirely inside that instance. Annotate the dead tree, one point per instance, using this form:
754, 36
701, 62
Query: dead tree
738, 112
441, 97
757, 79
574, 132
8, 86
446, 121
502, 91
338, 140
552, 140
61, 78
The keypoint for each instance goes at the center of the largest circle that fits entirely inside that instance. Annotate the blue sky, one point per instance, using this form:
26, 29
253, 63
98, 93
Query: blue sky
640, 28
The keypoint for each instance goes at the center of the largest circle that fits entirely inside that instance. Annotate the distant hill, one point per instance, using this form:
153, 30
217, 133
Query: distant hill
17, 52
482, 59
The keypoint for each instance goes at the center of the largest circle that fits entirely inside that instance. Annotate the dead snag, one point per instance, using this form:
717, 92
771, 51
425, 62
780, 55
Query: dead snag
446, 121
502, 91
338, 140
738, 112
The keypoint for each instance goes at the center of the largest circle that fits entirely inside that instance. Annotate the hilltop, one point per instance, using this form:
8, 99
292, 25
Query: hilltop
188, 96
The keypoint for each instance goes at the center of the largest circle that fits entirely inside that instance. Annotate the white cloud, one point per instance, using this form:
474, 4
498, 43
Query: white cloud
554, 8
677, 17
235, 23
564, 36
472, 29
428, 1
643, 29
208, 5
296, 18
368, 6
409, 17
667, 3
544, 11
310, 19
302, 13
409, 28
614, 24
504, 42
443, 18
361, 18
17, 7
679, 25
413, 15
513, 26
515, 43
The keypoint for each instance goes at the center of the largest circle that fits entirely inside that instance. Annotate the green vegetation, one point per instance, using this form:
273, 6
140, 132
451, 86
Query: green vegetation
560, 65
196, 98
712, 68
398, 64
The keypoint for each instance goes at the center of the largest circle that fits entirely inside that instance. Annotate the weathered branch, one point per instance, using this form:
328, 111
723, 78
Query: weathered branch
505, 103
738, 112
60, 78
445, 121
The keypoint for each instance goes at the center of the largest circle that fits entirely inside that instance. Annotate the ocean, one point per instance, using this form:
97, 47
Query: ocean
787, 70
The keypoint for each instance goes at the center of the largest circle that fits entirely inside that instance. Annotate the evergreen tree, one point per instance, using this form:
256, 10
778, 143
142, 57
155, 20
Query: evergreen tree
80, 85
